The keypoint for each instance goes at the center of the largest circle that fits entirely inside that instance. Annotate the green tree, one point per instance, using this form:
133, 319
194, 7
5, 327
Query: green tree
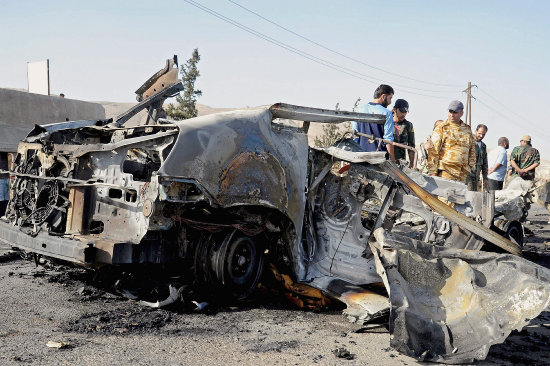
186, 102
331, 133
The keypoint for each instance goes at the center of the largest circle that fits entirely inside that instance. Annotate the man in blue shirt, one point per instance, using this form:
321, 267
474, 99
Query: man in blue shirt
497, 162
382, 99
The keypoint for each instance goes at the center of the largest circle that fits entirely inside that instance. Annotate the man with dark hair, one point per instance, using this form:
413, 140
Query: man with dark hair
481, 160
403, 131
452, 151
498, 161
382, 99
524, 159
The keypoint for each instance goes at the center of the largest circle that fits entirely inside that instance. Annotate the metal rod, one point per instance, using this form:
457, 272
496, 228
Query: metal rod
407, 147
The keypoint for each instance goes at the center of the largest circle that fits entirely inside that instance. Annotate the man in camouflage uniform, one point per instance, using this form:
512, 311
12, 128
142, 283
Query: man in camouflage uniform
481, 160
524, 159
452, 151
403, 131
424, 147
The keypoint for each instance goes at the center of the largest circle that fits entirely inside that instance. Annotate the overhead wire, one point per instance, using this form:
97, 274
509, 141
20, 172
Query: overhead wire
307, 55
339, 53
342, 69
504, 105
541, 129
545, 136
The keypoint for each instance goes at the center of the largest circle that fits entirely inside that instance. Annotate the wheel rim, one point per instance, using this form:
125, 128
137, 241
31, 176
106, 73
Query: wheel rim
241, 261
238, 264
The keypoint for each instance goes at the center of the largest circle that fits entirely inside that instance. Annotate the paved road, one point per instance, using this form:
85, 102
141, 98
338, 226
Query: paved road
54, 304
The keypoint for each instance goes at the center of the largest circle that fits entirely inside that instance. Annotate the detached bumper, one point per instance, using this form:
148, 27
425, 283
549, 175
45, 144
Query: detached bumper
48, 245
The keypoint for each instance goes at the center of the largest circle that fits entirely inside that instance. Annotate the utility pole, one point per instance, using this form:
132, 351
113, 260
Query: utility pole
468, 114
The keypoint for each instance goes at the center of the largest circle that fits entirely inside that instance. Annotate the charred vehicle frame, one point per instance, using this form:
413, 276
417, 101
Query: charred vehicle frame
218, 192
217, 197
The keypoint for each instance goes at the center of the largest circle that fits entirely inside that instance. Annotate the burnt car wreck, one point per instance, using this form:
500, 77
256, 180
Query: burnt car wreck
218, 198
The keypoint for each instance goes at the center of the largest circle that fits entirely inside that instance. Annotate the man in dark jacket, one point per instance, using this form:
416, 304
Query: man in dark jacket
403, 131
481, 160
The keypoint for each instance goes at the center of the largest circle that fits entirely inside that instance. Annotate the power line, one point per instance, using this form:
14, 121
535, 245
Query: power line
337, 52
541, 134
516, 114
508, 109
504, 105
304, 54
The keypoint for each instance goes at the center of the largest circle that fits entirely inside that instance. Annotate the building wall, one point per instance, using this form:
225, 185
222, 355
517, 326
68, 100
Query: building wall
20, 111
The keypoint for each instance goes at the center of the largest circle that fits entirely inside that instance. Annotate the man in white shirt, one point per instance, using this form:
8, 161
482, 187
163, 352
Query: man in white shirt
498, 161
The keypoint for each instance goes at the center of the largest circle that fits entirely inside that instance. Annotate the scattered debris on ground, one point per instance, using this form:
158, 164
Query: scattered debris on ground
58, 345
128, 319
343, 353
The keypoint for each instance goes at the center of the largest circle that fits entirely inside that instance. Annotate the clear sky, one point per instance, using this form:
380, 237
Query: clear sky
104, 50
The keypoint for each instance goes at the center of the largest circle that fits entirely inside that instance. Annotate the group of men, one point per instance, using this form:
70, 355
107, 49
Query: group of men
453, 151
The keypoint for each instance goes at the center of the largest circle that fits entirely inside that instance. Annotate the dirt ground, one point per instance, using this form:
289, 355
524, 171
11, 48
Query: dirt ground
59, 304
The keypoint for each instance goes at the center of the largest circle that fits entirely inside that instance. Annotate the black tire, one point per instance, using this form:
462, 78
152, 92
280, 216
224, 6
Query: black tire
241, 266
231, 264
514, 230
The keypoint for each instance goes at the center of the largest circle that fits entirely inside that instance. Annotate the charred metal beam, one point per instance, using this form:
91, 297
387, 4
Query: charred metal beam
52, 127
288, 111
167, 73
450, 213
80, 150
169, 91
384, 208
388, 142
45, 244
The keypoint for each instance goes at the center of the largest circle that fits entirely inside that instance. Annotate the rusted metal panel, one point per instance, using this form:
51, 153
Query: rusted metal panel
163, 78
253, 177
450, 305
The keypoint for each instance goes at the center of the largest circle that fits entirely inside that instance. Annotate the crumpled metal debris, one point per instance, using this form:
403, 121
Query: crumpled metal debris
364, 306
301, 295
175, 293
343, 353
514, 201
199, 306
450, 305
